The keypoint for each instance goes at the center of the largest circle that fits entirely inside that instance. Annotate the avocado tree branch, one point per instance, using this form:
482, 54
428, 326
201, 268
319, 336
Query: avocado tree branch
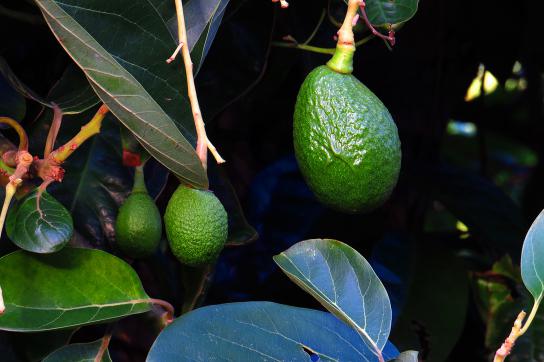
518, 329
203, 143
87, 131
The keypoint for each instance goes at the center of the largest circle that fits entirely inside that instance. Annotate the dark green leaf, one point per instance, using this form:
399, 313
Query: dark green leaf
382, 12
70, 288
12, 104
130, 75
532, 259
482, 206
79, 352
258, 331
43, 226
35, 346
196, 282
240, 231
72, 93
438, 297
8, 74
344, 283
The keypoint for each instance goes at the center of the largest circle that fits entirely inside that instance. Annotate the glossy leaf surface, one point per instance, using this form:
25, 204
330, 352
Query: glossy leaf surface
344, 283
70, 288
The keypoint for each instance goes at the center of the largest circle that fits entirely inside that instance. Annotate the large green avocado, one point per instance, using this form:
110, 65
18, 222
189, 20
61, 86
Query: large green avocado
346, 142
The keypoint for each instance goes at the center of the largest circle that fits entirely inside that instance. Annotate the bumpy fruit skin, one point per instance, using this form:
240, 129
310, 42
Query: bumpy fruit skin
138, 226
346, 143
196, 226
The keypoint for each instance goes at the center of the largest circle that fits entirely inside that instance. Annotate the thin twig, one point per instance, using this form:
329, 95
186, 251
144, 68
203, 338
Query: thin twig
390, 37
203, 143
167, 306
517, 331
53, 131
104, 346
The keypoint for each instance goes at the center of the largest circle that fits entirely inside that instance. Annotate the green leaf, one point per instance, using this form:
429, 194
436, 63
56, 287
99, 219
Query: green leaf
532, 259
258, 331
72, 93
70, 288
344, 283
43, 228
382, 12
12, 104
129, 73
438, 297
79, 352
35, 346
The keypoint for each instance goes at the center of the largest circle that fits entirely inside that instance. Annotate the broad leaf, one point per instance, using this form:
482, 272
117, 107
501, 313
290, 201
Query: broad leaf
382, 12
79, 352
487, 211
12, 104
72, 93
70, 288
39, 225
438, 297
344, 283
258, 331
532, 259
130, 75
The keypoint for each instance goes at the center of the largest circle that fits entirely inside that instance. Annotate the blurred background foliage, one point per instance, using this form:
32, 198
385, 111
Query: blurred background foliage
465, 86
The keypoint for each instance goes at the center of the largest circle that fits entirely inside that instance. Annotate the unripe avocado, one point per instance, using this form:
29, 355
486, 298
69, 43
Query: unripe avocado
346, 142
138, 227
196, 226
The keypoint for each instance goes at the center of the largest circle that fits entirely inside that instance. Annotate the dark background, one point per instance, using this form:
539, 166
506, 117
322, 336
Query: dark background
479, 162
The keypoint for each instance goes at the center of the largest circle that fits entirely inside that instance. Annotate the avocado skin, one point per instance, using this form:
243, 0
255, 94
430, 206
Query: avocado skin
346, 142
138, 227
196, 226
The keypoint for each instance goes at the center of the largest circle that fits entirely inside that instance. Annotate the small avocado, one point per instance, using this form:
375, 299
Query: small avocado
196, 226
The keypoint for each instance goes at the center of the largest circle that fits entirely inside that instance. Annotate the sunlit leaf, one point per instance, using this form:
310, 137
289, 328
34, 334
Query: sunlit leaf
344, 283
72, 287
532, 259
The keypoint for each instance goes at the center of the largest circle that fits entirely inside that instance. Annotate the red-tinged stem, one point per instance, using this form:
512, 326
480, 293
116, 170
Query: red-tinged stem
390, 37
167, 306
104, 346
53, 131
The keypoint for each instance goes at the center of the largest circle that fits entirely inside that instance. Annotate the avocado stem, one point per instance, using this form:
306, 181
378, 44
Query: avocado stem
139, 180
342, 59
